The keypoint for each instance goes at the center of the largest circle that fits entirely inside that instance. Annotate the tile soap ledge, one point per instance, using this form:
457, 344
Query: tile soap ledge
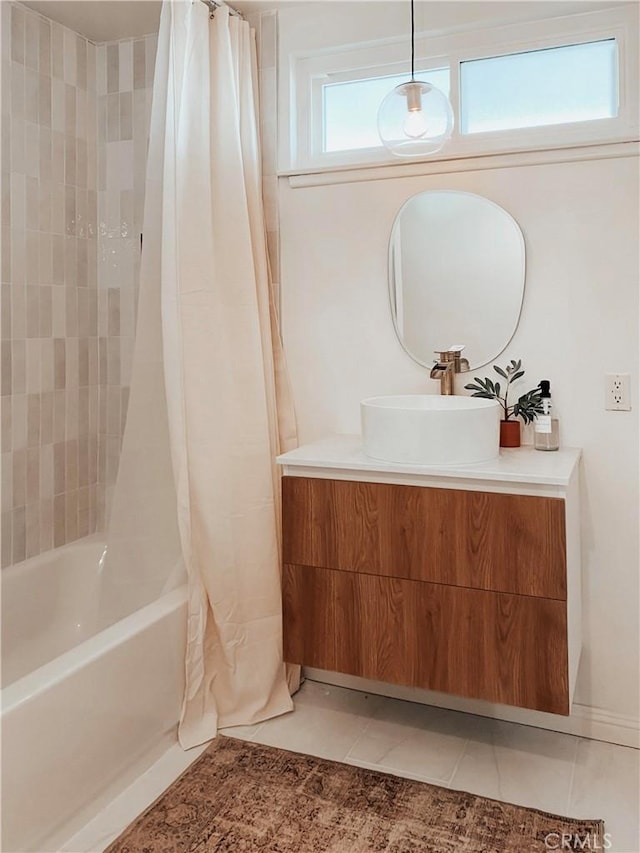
518, 465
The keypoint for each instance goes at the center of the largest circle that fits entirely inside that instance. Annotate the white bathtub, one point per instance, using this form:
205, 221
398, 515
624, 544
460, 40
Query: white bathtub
83, 709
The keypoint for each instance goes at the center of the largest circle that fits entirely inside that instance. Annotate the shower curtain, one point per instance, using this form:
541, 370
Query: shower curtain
224, 407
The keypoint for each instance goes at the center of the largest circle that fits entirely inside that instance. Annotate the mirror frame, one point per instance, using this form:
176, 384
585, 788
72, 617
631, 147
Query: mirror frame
392, 284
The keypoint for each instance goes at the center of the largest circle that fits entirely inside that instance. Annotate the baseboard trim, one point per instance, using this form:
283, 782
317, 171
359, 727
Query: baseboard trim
584, 720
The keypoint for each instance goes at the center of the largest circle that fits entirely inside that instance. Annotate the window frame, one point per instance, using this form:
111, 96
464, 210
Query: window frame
311, 71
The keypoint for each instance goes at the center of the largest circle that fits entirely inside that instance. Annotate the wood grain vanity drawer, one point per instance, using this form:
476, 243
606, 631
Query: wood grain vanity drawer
498, 647
482, 540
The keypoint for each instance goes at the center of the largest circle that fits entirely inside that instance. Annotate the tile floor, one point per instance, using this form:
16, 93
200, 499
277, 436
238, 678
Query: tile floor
532, 767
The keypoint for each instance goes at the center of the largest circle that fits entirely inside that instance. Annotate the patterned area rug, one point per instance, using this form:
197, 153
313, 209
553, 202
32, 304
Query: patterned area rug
240, 797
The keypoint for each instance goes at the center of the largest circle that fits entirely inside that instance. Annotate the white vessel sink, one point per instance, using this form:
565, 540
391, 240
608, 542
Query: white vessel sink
426, 429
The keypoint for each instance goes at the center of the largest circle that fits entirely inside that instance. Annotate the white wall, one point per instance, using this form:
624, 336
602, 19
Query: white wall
580, 321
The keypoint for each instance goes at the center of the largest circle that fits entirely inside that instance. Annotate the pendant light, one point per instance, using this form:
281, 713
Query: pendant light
415, 119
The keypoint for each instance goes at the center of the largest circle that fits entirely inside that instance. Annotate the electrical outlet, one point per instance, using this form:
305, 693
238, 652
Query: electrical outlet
617, 397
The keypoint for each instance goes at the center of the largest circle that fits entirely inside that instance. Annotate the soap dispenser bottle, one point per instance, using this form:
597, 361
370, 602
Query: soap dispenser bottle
546, 429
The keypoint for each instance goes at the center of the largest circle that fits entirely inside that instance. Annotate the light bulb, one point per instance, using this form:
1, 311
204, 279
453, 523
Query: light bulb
415, 119
415, 124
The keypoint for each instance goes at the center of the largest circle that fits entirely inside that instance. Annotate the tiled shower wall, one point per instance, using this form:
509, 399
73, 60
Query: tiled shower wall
49, 285
75, 119
74, 125
124, 88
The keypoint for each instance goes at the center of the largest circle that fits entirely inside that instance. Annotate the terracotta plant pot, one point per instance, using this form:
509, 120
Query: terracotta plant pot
509, 433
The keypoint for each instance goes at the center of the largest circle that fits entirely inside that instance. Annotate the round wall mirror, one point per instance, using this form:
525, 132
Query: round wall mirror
456, 276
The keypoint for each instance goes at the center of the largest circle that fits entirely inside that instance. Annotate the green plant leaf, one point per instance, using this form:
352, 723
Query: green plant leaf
529, 406
500, 371
517, 375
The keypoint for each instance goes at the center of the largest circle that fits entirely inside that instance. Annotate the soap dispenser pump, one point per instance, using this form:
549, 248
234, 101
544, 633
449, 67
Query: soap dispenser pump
546, 429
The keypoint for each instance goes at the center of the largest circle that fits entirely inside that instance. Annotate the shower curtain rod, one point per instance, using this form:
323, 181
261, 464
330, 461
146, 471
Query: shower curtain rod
213, 5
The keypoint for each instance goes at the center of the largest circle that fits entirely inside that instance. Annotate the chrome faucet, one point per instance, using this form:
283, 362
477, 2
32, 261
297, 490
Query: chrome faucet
447, 365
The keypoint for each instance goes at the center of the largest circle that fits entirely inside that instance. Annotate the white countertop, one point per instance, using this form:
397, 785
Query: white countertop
515, 465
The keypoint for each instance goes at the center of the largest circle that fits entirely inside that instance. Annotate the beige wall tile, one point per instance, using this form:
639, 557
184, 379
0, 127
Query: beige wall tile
18, 535
71, 416
19, 475
44, 100
69, 57
71, 354
46, 471
139, 64
46, 418
150, 46
18, 366
17, 72
6, 412
126, 116
17, 145
81, 63
46, 524
31, 42
7, 369
71, 516
70, 268
19, 421
6, 473
31, 149
6, 556
71, 311
31, 203
59, 310
113, 324
45, 164
58, 123
18, 251
113, 68
33, 420
59, 416
44, 204
5, 312
71, 465
44, 46
32, 530
113, 361
57, 67
113, 117
33, 475
46, 309
83, 466
47, 378
17, 34
32, 269
33, 351
60, 367
59, 521
125, 66
59, 468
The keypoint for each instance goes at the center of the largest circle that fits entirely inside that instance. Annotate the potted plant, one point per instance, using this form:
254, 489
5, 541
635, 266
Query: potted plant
528, 406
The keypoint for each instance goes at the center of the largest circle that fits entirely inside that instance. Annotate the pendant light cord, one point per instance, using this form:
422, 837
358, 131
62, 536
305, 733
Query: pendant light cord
413, 47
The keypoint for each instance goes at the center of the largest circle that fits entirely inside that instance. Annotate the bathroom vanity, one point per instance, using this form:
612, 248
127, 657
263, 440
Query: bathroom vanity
463, 580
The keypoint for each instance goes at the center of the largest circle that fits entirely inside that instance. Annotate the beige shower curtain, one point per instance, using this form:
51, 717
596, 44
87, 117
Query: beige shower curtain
228, 401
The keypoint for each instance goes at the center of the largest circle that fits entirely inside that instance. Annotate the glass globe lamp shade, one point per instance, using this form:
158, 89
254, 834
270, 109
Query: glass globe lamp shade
415, 119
